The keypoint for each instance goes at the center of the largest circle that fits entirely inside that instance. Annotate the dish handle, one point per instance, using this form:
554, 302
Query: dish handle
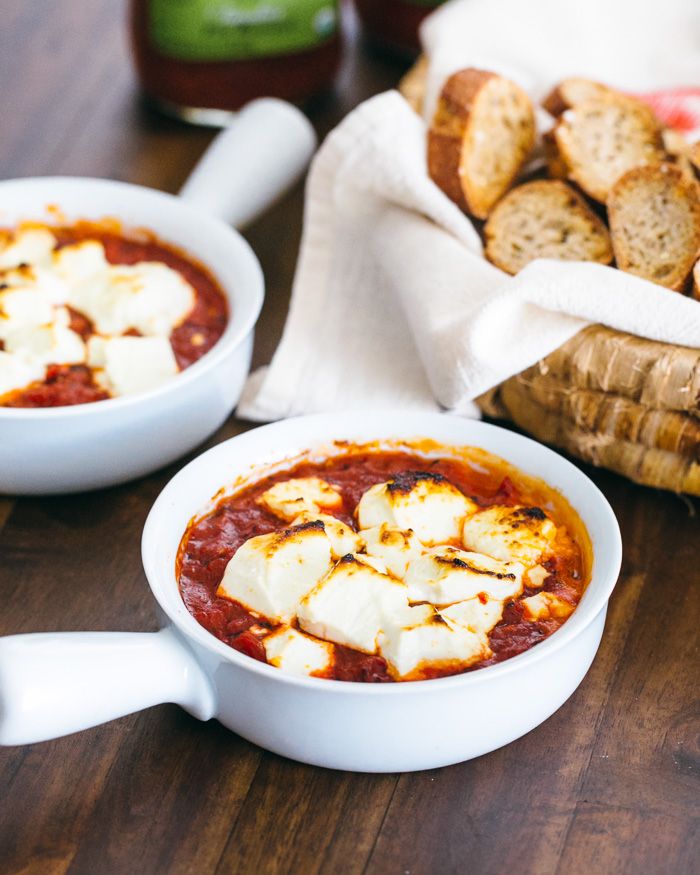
52, 684
252, 162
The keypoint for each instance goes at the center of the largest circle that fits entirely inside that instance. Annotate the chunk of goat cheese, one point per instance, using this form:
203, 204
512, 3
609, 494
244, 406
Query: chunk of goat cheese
149, 296
422, 501
445, 575
536, 576
353, 603
478, 615
297, 653
42, 345
269, 574
16, 374
127, 365
412, 652
81, 263
343, 539
546, 606
522, 534
27, 246
395, 547
288, 498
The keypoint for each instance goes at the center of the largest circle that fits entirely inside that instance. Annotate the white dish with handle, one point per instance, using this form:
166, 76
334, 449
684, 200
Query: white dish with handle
57, 683
89, 446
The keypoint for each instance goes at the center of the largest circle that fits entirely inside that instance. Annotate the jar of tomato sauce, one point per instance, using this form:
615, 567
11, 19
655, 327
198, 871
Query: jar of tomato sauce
394, 23
203, 59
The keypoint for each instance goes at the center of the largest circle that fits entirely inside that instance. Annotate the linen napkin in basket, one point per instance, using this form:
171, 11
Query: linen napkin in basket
393, 303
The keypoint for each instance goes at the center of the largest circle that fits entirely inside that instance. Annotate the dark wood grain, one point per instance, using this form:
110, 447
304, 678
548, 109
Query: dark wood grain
608, 784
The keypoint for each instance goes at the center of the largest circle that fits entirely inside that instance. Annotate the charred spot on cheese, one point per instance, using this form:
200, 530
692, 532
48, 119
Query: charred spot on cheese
407, 480
304, 527
475, 569
445, 575
534, 513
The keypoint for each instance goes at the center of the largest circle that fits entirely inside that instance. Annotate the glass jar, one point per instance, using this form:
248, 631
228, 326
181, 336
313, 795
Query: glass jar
203, 59
394, 23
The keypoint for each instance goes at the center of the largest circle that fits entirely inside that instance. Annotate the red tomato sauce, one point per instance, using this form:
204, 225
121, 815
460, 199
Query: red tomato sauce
211, 541
66, 385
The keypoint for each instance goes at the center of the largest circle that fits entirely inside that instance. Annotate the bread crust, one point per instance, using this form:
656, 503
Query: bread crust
452, 130
670, 269
572, 91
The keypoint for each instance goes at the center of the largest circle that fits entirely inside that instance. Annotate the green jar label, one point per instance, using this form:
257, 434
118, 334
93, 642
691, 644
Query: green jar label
232, 30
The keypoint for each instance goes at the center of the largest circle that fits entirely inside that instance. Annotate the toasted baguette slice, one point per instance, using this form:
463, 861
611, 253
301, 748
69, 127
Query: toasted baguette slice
601, 139
654, 215
694, 156
680, 151
696, 281
570, 92
483, 130
556, 167
545, 219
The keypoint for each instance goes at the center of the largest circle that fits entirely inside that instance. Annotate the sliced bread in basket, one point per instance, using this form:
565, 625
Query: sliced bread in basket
482, 132
544, 219
616, 400
654, 214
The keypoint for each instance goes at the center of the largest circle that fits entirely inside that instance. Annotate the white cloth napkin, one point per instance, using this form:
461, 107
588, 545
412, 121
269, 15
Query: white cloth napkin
393, 302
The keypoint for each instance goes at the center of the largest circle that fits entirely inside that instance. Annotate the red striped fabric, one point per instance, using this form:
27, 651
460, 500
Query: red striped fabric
678, 108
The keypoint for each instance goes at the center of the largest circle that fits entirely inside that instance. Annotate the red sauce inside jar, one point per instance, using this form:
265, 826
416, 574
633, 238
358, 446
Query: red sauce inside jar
211, 541
395, 23
66, 385
177, 83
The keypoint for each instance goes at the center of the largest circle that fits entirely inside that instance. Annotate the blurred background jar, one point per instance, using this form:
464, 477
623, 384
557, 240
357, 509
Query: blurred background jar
203, 59
393, 24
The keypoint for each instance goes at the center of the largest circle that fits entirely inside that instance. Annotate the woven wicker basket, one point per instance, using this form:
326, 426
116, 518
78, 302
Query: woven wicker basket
618, 401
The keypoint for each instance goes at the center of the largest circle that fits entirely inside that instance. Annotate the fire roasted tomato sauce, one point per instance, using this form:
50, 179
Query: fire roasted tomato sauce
74, 384
210, 542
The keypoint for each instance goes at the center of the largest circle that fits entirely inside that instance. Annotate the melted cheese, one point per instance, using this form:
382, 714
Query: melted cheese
536, 576
546, 606
412, 651
43, 345
127, 365
477, 615
395, 547
522, 534
80, 264
426, 503
22, 308
38, 279
16, 374
343, 539
149, 296
269, 574
353, 604
445, 575
427, 609
288, 498
297, 653
29, 246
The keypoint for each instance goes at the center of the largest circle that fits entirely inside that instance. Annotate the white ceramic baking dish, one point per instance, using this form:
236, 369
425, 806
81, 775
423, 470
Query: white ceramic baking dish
53, 684
87, 446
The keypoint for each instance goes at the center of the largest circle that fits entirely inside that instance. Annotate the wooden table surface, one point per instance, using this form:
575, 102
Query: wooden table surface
608, 784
